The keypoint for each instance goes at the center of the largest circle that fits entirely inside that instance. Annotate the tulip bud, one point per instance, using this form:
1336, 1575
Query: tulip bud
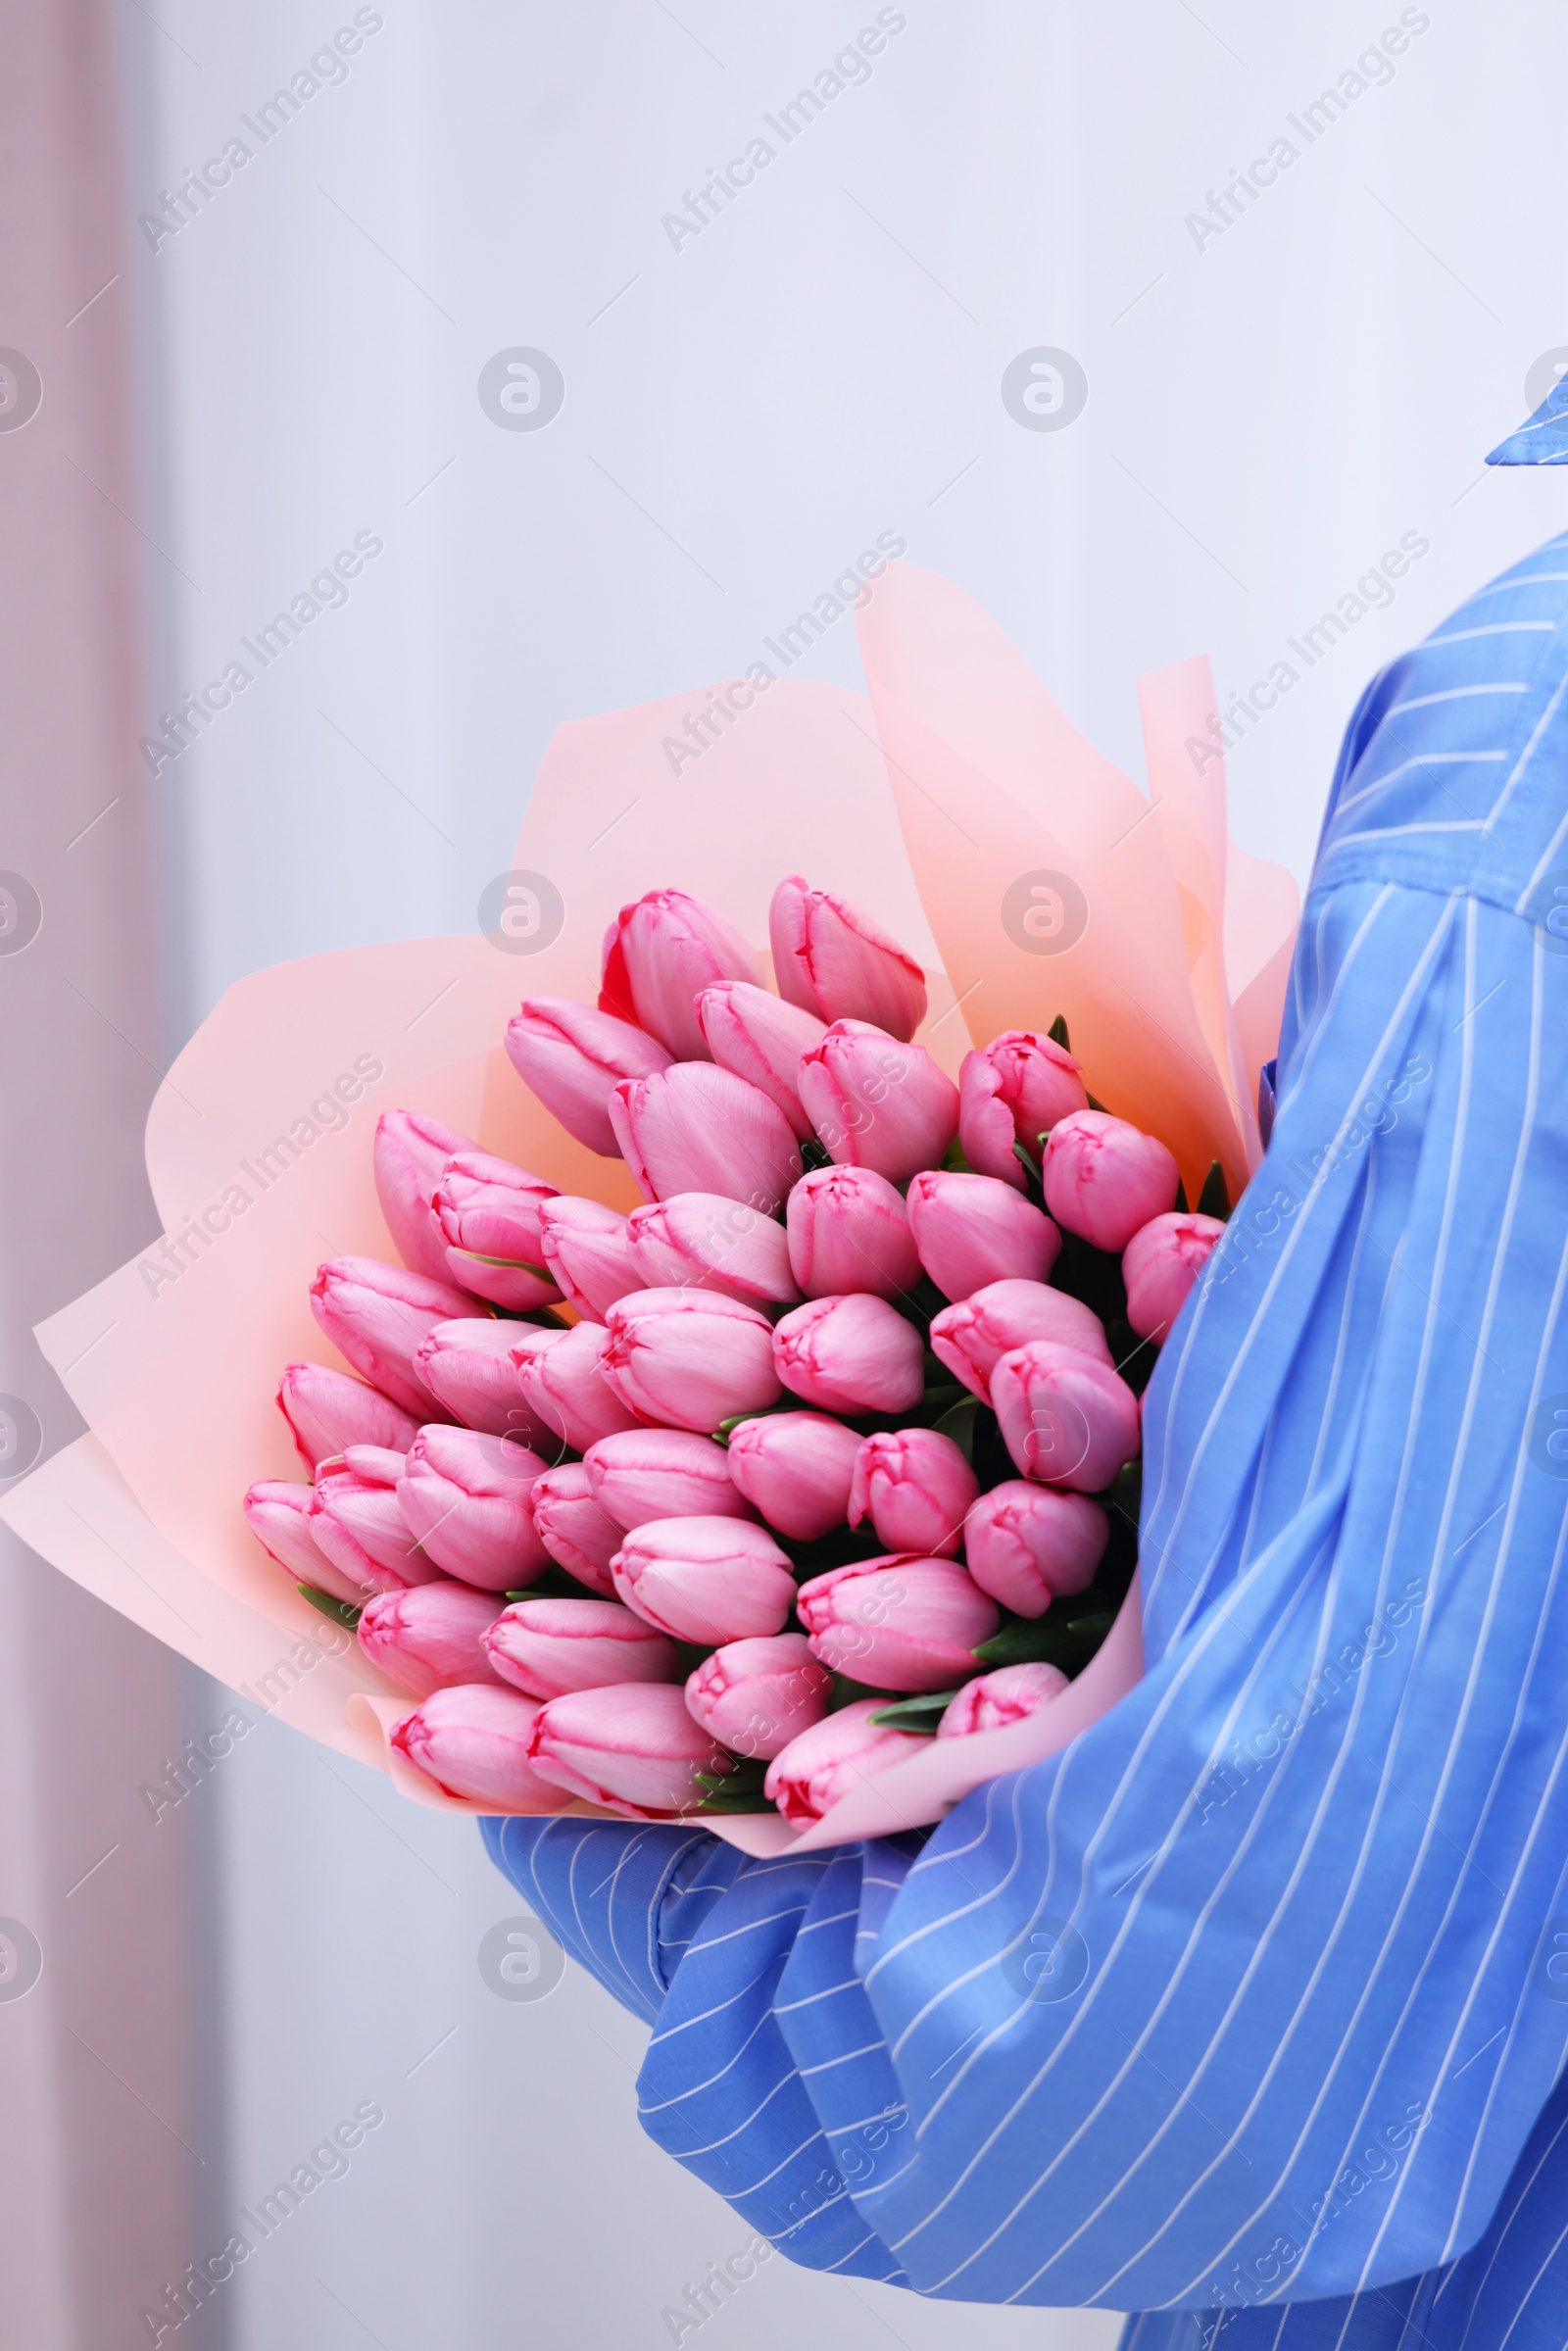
563, 1385
1103, 1178
573, 1058
971, 1231
712, 1243
466, 1496
797, 1468
914, 1486
849, 1229
1064, 1418
972, 1337
1015, 1092
899, 1623
488, 1212
835, 961
279, 1515
429, 1638
658, 954
546, 1647
634, 1749
377, 1316
474, 1741
408, 1156
1159, 1265
587, 1251
690, 1359
358, 1522
708, 1580
1028, 1545
876, 1103
327, 1412
850, 1355
469, 1367
575, 1530
833, 1758
645, 1474
697, 1128
756, 1695
1010, 1696
761, 1039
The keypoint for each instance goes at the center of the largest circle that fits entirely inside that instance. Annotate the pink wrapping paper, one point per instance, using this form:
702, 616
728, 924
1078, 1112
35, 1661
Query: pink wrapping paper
259, 1141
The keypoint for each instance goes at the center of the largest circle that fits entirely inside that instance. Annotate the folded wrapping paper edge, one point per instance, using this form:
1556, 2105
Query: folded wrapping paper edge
1036, 790
79, 1513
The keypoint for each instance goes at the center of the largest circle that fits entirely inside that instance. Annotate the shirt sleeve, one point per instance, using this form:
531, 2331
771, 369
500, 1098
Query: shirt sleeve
765, 2066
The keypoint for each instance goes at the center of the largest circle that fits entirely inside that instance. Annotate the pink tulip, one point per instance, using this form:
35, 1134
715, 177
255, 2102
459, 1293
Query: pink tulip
547, 1648
876, 1103
761, 1039
564, 1383
279, 1515
377, 1316
474, 1741
712, 1243
899, 1623
589, 1254
849, 1229
914, 1486
797, 1468
527, 1339
1104, 1178
573, 1057
972, 1337
850, 1355
1028, 1545
327, 1412
645, 1474
971, 1231
658, 954
1064, 1418
835, 961
833, 1758
358, 1521
698, 1128
577, 1533
469, 1367
708, 1580
1159, 1265
466, 1496
756, 1695
1008, 1696
488, 1212
1015, 1092
408, 1156
430, 1638
634, 1749
690, 1359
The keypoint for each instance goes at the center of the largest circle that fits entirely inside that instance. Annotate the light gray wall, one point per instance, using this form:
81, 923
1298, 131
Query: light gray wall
1270, 408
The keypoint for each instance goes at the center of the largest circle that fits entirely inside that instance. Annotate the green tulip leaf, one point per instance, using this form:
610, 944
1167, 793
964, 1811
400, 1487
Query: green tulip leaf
1215, 1200
340, 1611
921, 1713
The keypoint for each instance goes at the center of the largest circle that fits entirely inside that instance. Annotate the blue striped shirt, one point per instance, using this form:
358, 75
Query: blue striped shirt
1257, 1991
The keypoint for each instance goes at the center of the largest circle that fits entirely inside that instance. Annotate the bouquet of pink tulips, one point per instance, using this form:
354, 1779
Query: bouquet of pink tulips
730, 1503
808, 1484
